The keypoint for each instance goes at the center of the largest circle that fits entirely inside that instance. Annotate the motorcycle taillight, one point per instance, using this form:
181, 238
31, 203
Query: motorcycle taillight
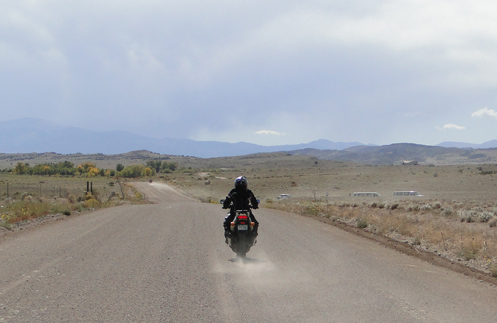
242, 217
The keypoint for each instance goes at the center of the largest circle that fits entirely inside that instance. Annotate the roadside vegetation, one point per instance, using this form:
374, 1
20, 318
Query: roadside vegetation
24, 199
457, 231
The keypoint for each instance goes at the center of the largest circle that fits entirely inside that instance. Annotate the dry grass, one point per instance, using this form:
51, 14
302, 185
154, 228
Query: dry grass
17, 186
474, 243
26, 201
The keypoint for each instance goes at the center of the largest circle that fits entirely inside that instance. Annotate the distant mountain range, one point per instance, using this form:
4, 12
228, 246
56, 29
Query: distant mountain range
29, 135
451, 144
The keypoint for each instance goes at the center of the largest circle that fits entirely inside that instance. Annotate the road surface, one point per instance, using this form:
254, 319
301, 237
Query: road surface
167, 262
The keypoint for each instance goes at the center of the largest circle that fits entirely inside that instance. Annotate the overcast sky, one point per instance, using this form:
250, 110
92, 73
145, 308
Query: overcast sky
265, 72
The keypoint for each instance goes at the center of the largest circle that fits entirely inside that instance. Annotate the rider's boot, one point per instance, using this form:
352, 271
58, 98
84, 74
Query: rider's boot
255, 230
227, 231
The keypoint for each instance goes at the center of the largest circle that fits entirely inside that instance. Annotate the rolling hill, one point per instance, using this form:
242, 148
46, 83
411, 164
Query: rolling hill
36, 136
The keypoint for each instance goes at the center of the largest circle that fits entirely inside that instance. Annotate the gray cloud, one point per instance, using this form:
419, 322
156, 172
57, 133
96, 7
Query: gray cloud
222, 70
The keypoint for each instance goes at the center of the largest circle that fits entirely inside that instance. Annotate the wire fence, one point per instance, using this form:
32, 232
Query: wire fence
9, 190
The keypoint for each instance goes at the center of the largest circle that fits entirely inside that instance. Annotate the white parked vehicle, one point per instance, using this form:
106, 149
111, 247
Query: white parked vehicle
366, 194
407, 193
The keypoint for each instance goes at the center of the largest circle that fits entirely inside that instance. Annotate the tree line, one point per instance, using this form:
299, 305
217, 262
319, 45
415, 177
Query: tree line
89, 169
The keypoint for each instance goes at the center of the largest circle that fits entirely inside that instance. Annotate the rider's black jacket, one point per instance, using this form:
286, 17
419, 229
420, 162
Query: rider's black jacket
241, 199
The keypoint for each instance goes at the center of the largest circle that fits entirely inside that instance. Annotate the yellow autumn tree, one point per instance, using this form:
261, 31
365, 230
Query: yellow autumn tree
20, 169
86, 165
148, 172
45, 170
92, 171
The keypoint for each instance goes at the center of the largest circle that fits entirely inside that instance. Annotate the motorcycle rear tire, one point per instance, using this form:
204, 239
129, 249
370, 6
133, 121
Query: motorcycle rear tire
243, 246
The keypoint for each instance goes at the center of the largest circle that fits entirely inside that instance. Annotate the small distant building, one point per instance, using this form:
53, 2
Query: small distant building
410, 162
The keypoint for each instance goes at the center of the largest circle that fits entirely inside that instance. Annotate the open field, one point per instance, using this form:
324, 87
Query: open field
307, 177
456, 217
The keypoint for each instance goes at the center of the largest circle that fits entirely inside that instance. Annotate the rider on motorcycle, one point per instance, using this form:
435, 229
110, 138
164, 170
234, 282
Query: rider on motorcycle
241, 197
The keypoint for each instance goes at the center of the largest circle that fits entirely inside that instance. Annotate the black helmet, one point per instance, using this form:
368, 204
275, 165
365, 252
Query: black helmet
241, 182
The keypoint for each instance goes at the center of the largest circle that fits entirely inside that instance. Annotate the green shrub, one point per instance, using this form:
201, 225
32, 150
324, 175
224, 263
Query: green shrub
6, 225
71, 198
467, 253
91, 203
362, 223
426, 207
437, 205
77, 207
393, 206
412, 207
447, 211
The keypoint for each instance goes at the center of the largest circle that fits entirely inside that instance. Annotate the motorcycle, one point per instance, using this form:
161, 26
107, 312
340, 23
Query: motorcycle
240, 238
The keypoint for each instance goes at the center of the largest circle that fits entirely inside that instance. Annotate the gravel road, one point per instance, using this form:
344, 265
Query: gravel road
167, 262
